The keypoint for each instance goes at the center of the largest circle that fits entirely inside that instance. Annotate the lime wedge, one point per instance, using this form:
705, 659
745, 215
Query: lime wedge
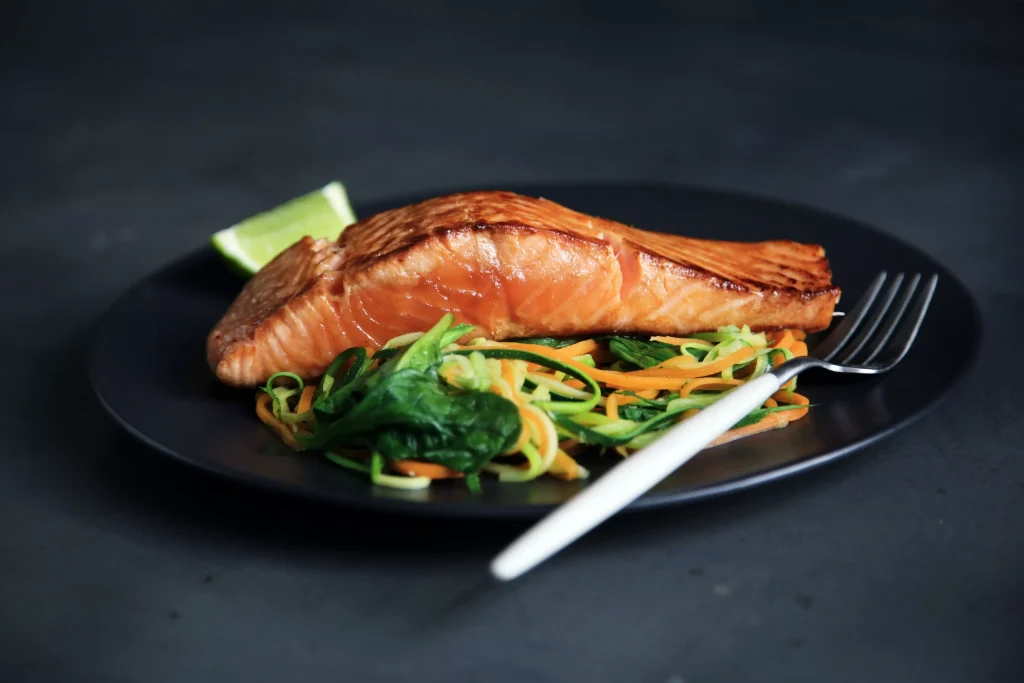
254, 242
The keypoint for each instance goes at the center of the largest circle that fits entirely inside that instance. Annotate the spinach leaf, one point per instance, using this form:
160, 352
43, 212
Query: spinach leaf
410, 414
654, 403
425, 352
644, 354
638, 412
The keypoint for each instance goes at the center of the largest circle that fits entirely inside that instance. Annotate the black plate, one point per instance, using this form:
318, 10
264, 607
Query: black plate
148, 367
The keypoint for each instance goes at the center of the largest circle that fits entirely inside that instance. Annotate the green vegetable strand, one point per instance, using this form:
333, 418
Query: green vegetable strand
335, 394
404, 408
376, 467
561, 407
643, 354
279, 395
348, 463
455, 334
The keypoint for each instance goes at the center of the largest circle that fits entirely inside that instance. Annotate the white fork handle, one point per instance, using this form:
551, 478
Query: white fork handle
630, 479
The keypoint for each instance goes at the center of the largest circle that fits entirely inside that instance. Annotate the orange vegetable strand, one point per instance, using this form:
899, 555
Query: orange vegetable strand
770, 421
696, 369
612, 406
579, 348
267, 417
415, 468
306, 400
708, 384
564, 467
791, 398
785, 341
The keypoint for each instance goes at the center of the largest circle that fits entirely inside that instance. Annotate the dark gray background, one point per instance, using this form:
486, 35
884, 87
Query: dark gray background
130, 135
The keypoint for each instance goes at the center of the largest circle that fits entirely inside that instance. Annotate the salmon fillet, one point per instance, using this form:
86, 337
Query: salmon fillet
515, 266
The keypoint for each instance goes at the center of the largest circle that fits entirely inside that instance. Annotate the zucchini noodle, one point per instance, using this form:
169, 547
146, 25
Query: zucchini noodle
610, 393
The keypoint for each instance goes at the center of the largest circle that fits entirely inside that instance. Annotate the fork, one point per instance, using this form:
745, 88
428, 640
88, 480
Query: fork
871, 339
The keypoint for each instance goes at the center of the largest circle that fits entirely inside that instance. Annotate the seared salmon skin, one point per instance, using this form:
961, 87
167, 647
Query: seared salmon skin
515, 266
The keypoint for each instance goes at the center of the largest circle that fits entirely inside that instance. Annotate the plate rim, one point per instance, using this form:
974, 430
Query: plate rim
449, 510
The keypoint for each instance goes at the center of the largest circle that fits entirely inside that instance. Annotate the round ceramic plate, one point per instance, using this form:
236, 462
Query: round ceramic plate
149, 369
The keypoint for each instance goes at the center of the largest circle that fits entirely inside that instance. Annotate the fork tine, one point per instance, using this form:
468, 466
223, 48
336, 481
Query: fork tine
834, 342
867, 329
904, 338
894, 320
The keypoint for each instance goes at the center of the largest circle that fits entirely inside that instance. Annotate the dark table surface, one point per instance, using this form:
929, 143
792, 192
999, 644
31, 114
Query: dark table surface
130, 134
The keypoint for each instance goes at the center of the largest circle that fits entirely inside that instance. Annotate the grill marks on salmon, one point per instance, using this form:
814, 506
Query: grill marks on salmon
515, 266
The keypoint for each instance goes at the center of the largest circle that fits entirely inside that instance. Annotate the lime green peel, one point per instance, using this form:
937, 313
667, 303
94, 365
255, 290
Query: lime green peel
254, 242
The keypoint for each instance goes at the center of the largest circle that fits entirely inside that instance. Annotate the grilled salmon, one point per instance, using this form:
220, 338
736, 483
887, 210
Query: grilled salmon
515, 266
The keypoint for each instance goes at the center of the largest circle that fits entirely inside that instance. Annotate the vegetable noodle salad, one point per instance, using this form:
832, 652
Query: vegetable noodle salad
426, 407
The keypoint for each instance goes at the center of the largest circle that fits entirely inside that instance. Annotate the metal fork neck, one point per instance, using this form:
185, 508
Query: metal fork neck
792, 368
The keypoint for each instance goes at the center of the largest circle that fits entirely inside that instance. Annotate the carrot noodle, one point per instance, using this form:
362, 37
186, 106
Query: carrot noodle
708, 384
508, 373
565, 467
770, 421
579, 348
792, 398
306, 401
534, 377
499, 385
413, 468
784, 341
612, 407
